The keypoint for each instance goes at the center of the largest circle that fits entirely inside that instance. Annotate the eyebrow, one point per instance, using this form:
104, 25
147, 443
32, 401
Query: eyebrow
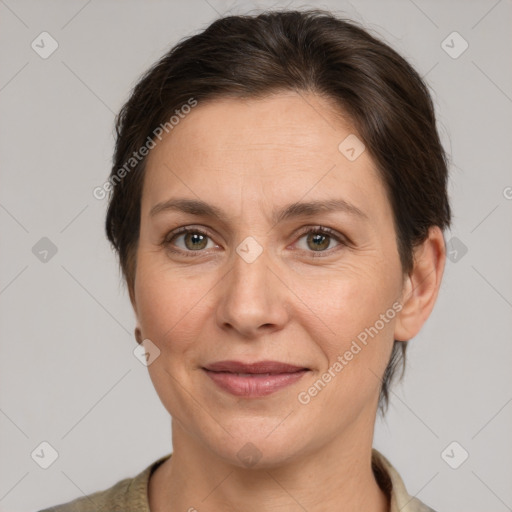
298, 209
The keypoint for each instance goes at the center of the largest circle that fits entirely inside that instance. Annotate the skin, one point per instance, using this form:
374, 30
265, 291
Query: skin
294, 304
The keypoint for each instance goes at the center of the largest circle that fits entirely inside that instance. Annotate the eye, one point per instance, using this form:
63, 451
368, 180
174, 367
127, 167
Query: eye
319, 239
188, 240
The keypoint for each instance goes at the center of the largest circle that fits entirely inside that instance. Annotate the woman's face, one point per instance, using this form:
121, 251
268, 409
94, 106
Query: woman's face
258, 282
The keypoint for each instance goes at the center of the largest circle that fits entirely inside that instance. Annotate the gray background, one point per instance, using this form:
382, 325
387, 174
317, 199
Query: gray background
67, 372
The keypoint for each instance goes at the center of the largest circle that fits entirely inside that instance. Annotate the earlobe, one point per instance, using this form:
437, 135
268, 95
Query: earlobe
422, 285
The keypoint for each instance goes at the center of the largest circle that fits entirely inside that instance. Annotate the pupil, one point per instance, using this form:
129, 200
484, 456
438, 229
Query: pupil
196, 239
317, 239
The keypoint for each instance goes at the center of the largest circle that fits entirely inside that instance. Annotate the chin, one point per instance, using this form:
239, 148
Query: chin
257, 455
258, 443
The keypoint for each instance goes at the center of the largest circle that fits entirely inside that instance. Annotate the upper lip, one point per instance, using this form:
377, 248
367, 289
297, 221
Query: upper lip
256, 367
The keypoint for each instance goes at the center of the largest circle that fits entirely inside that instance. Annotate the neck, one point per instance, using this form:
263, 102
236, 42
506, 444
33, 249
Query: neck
337, 477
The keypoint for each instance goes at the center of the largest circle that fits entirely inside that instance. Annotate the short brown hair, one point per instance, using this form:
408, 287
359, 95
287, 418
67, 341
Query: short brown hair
382, 96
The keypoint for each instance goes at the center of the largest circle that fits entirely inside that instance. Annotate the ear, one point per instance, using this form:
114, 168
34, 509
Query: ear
138, 333
422, 285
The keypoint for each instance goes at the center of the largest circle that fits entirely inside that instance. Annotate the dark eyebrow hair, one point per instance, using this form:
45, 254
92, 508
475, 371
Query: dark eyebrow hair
310, 208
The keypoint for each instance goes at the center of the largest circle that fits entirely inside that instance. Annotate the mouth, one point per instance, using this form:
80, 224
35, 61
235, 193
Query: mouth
253, 380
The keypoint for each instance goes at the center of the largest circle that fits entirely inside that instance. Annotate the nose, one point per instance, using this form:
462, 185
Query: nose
253, 300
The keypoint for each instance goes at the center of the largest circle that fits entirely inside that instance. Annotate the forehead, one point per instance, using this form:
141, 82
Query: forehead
288, 123
271, 150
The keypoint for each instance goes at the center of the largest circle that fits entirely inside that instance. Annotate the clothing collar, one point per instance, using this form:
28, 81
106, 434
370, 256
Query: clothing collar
386, 475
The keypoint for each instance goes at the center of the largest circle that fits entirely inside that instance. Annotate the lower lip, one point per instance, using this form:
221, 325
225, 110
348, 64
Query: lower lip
254, 386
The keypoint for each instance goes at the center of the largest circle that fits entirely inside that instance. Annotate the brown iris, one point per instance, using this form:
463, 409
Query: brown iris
319, 241
195, 241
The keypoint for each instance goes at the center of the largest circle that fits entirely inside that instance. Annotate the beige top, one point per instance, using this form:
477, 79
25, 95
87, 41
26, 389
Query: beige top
131, 494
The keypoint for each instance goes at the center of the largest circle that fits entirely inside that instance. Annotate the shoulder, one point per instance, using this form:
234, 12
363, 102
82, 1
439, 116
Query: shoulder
114, 498
129, 494
392, 484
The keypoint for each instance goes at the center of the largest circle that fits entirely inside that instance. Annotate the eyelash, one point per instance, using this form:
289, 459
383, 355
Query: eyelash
166, 242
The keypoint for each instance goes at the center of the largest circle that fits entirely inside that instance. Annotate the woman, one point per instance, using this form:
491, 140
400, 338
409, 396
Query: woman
278, 200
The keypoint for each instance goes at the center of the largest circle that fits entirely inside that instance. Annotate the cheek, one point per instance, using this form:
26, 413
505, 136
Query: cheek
357, 307
174, 308
351, 298
171, 314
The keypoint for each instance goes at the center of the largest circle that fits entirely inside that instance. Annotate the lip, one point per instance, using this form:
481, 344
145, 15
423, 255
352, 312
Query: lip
253, 380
